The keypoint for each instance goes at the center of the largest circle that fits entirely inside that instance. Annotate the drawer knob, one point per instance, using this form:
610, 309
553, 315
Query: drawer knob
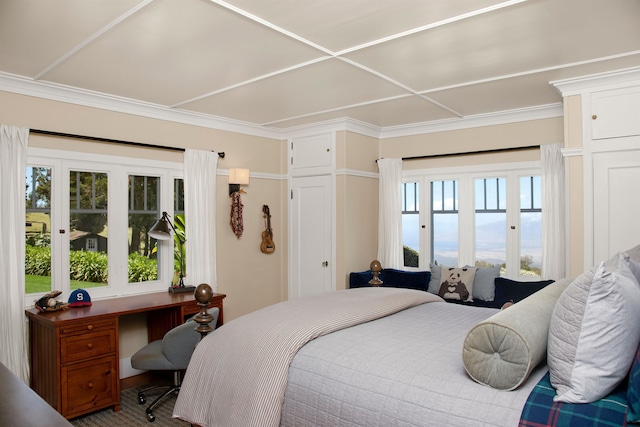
89, 327
90, 385
89, 346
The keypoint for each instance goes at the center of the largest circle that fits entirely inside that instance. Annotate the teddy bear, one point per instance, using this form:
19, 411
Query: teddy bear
48, 302
453, 287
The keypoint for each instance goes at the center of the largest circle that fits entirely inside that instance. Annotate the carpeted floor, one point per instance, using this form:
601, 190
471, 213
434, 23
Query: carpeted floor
131, 413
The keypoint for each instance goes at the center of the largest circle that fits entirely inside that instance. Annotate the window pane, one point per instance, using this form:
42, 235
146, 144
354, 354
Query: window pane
143, 213
491, 239
444, 222
491, 222
530, 226
410, 224
88, 263
38, 230
180, 236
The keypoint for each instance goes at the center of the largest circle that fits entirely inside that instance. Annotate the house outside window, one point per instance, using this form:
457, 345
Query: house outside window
485, 217
99, 240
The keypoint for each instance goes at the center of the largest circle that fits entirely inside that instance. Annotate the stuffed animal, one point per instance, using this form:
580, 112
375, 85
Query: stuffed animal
49, 303
453, 287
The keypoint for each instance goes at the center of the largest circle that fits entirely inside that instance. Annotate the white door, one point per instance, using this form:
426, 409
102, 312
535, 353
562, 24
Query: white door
616, 201
311, 234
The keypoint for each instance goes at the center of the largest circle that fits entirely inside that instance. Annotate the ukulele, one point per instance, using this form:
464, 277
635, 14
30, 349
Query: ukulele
267, 246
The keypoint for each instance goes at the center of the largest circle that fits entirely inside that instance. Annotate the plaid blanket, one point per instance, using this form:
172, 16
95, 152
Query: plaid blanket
540, 409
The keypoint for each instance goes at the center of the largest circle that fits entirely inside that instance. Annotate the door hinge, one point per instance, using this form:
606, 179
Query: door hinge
291, 194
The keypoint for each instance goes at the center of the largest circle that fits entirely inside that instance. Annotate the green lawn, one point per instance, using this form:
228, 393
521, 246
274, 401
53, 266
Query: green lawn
37, 284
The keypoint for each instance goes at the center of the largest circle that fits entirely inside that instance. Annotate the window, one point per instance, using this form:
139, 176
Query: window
410, 223
490, 221
482, 217
100, 212
38, 230
444, 222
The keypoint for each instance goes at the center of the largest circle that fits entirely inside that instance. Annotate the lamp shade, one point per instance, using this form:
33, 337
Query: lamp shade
161, 230
238, 176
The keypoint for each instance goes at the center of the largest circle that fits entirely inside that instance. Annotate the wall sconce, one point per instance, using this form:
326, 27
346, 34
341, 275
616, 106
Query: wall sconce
237, 177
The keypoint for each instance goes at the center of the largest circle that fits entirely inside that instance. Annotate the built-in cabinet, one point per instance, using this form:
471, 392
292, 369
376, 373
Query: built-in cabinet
615, 113
611, 162
311, 210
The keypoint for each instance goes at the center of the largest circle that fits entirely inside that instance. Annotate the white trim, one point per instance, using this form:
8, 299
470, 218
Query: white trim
355, 172
57, 92
571, 152
17, 84
479, 120
598, 82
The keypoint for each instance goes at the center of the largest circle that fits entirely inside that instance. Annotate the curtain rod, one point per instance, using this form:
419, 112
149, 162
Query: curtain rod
116, 141
468, 153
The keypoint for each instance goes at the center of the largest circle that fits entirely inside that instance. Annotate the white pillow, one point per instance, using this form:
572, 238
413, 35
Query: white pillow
594, 334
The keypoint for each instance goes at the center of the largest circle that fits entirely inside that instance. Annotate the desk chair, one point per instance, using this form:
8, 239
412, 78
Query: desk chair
171, 353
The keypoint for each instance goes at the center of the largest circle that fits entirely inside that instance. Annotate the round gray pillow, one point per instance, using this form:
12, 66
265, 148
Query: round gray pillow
502, 350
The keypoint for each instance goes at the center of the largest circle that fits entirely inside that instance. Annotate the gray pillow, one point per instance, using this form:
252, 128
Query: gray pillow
484, 287
594, 333
434, 283
502, 350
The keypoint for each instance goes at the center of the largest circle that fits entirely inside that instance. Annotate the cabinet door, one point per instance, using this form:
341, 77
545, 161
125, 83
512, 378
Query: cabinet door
616, 197
88, 386
312, 266
312, 154
615, 113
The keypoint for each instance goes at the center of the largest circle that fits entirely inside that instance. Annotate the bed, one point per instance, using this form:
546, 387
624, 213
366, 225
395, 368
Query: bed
377, 357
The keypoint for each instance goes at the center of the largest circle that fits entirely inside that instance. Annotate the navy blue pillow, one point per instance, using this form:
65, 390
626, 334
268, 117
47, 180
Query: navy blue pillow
512, 290
406, 279
393, 279
361, 279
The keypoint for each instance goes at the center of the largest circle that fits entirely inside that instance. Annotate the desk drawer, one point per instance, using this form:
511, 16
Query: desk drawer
88, 386
85, 327
79, 347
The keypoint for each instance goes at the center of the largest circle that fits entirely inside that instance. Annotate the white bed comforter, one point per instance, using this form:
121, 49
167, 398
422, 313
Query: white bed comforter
238, 374
402, 370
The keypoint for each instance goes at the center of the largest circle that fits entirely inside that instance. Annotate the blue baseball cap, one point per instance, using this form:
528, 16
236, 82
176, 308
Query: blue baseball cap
79, 297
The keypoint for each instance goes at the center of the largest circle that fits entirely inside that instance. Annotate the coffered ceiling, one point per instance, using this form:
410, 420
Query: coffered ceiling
279, 64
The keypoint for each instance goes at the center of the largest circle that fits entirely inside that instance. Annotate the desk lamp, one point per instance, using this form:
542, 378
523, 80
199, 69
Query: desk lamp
161, 230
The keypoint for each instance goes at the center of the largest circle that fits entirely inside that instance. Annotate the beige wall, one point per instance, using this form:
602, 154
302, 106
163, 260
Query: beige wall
250, 279
521, 134
356, 204
575, 187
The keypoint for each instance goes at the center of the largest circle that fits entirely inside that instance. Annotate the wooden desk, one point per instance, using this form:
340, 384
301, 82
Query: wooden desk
74, 354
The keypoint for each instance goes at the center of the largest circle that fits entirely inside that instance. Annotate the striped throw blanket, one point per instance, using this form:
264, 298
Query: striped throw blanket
238, 374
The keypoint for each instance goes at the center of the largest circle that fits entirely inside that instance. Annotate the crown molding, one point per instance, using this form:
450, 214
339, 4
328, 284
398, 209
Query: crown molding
334, 125
597, 82
56, 92
489, 119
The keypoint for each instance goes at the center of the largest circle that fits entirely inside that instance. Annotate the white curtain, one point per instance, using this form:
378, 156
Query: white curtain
553, 217
200, 170
13, 162
390, 213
